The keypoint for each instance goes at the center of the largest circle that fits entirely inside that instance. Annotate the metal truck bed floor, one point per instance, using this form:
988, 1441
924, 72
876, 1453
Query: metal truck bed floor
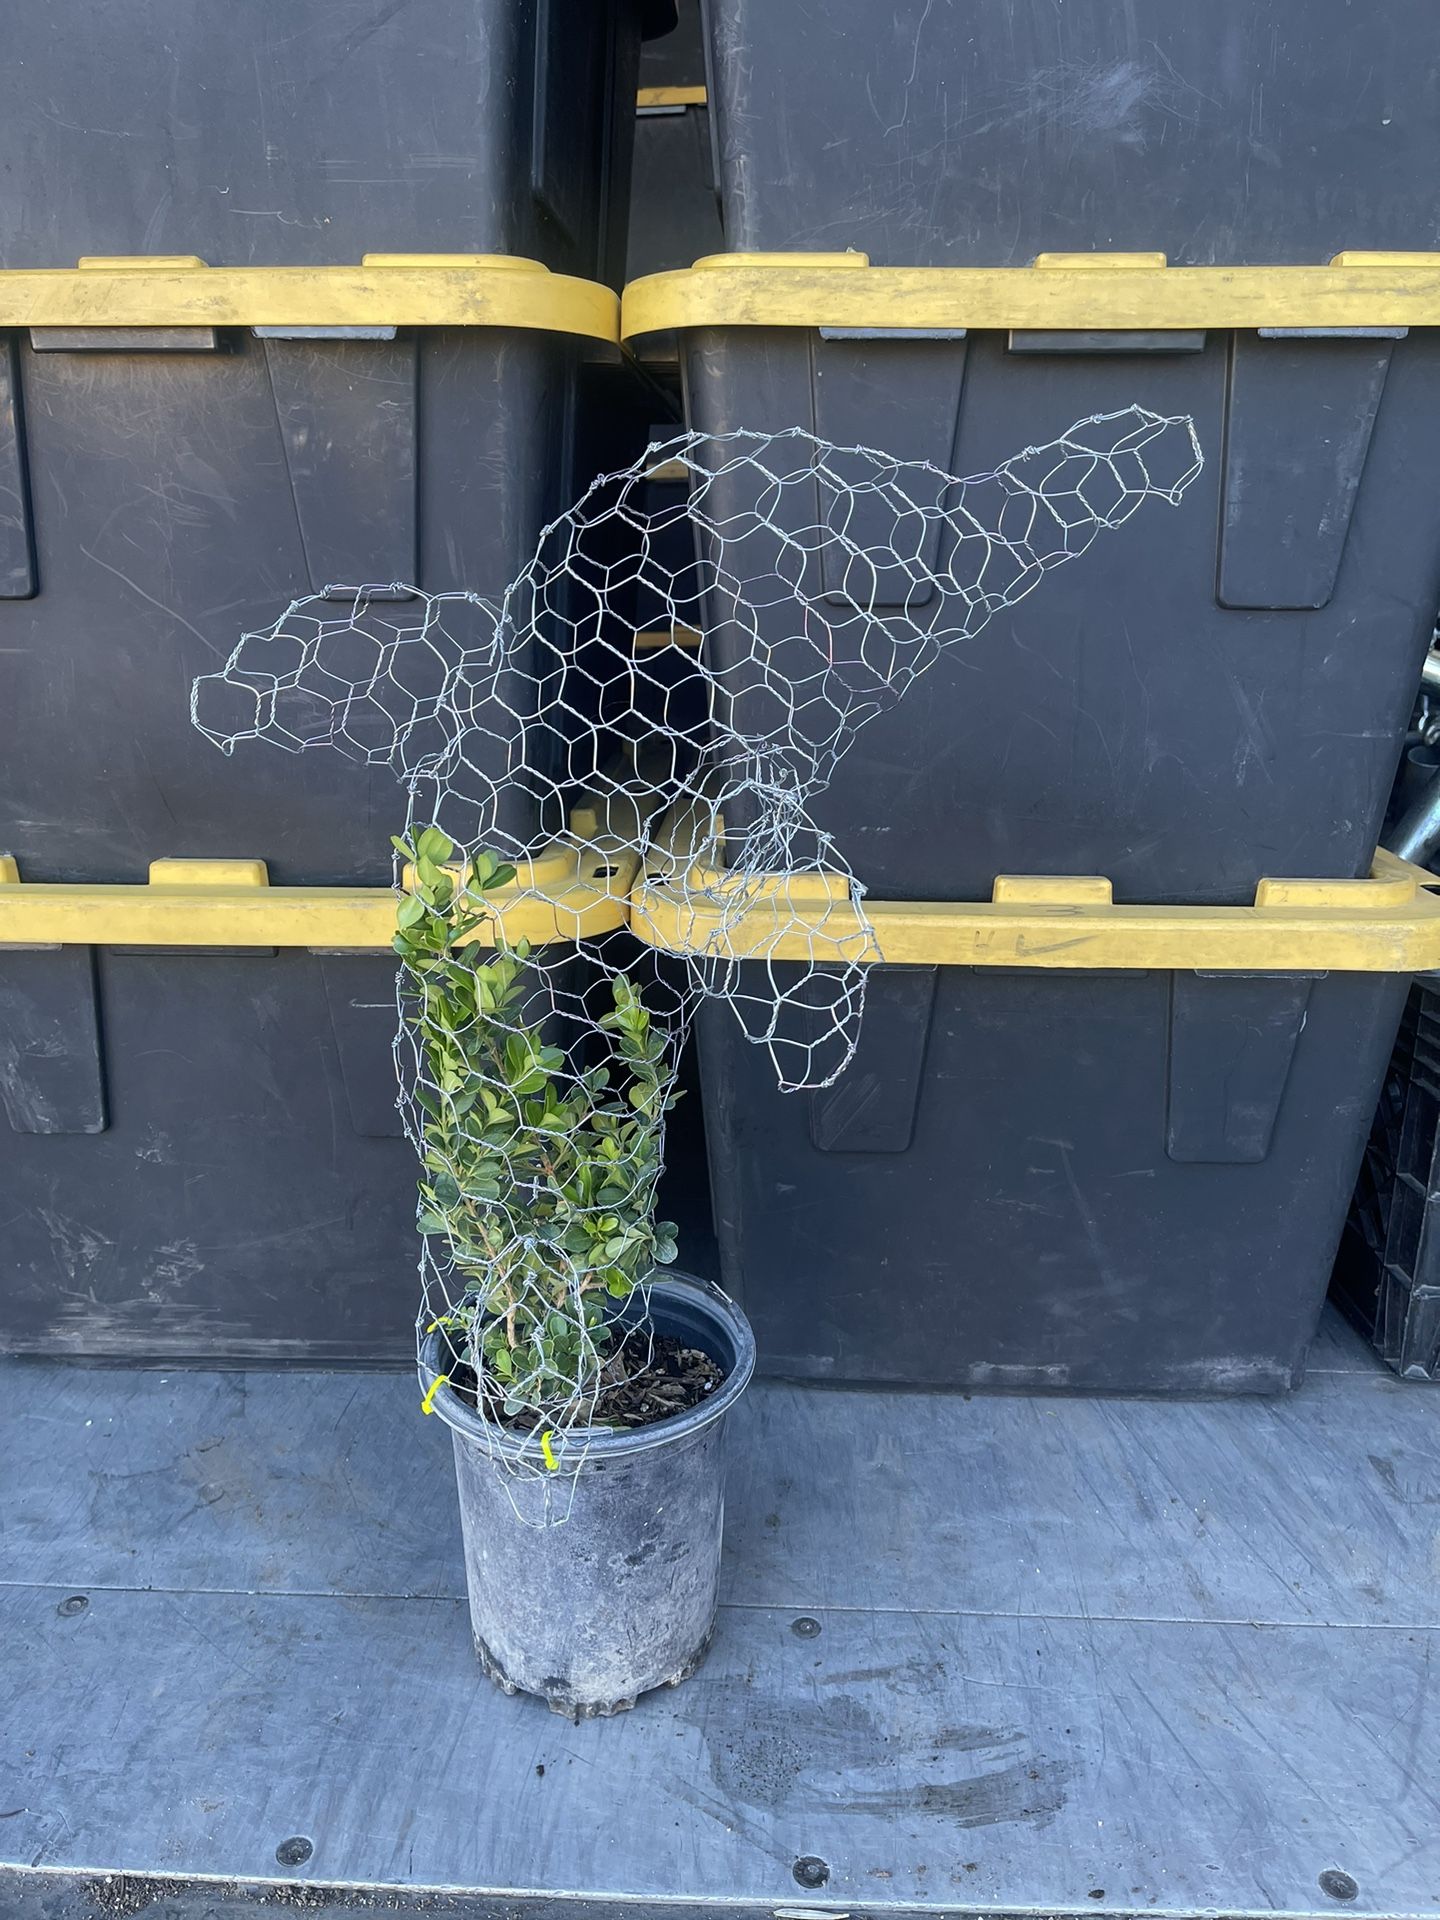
1073, 1656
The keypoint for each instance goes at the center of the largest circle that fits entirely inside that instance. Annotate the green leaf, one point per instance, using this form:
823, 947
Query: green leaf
540, 1173
435, 846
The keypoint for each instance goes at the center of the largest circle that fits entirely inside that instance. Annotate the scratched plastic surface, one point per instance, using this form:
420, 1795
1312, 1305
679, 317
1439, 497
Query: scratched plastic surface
1223, 695
277, 134
931, 134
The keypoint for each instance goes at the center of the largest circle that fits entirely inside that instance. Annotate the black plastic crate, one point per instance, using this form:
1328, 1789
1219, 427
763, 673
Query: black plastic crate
1387, 1276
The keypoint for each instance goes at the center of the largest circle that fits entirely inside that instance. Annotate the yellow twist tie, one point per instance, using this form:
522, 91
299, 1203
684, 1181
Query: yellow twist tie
427, 1405
549, 1452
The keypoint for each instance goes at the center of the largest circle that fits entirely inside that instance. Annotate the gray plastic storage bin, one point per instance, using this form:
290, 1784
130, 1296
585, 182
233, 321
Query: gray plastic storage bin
675, 210
1214, 690
936, 133
200, 1149
207, 1166
993, 1196
290, 132
675, 219
1087, 1147
178, 482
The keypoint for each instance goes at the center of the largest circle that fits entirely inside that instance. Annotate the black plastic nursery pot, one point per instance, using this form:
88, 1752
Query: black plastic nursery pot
593, 1584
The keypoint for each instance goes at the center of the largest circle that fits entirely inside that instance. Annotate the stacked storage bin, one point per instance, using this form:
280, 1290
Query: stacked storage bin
1125, 1172
200, 1150
675, 212
285, 134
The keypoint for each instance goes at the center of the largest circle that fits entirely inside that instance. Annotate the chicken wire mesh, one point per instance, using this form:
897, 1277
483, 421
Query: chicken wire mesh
550, 758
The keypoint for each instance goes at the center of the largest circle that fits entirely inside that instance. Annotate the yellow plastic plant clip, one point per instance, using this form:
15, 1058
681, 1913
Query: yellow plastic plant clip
427, 1405
549, 1452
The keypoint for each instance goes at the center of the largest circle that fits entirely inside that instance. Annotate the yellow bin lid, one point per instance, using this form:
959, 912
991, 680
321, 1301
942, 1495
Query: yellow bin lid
1096, 292
386, 289
1389, 923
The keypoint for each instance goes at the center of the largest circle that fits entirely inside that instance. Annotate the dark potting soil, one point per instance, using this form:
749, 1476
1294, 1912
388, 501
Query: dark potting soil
648, 1377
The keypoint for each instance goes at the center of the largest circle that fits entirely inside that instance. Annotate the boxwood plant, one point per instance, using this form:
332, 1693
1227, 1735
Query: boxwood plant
539, 1176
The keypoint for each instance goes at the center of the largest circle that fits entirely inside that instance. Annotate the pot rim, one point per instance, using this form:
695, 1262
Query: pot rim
611, 1443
